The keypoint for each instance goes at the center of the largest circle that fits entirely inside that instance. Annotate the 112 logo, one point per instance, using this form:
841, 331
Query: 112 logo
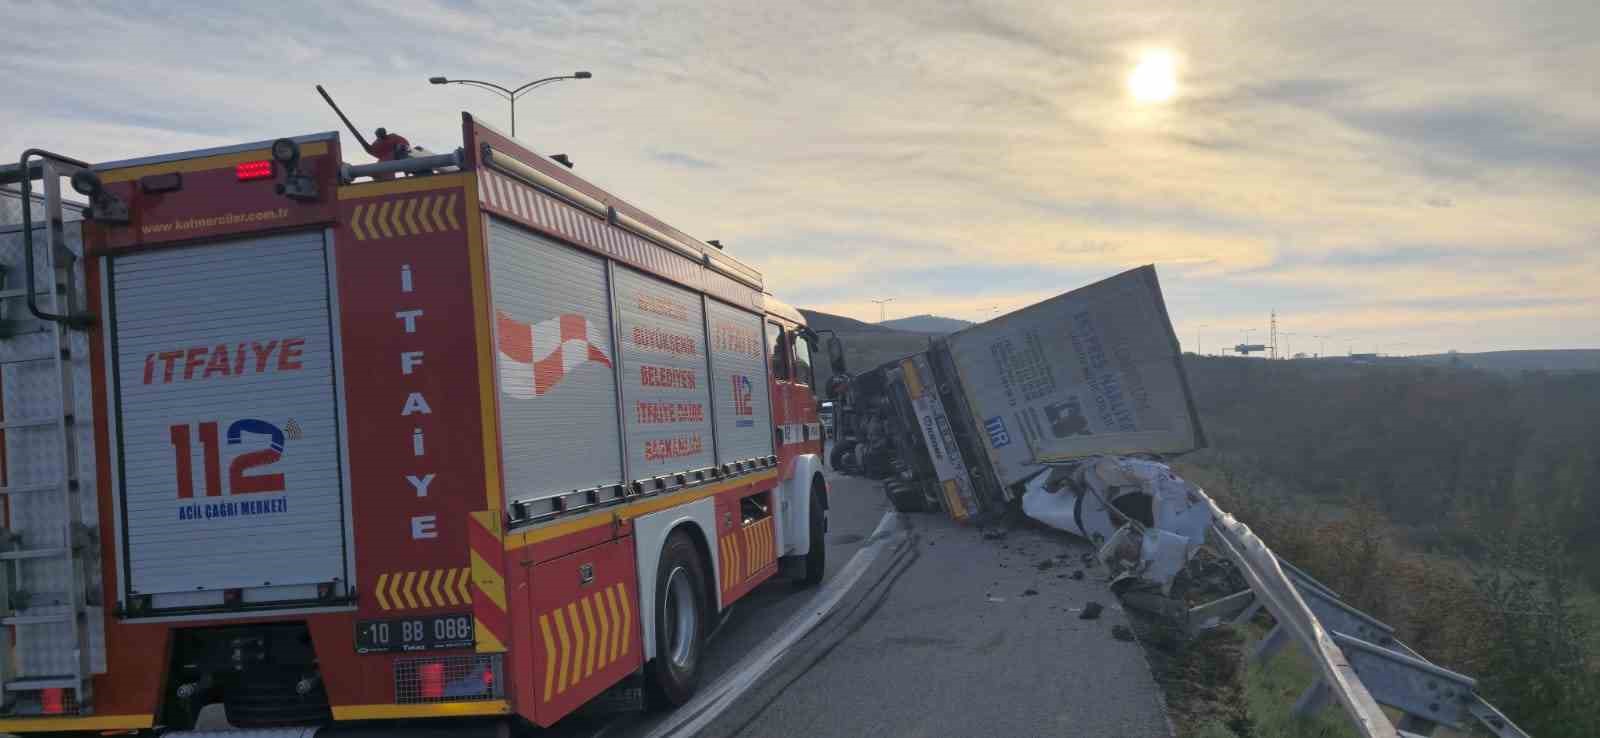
743, 399
240, 480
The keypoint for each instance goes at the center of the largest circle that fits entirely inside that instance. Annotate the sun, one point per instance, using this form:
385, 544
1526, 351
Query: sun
1155, 79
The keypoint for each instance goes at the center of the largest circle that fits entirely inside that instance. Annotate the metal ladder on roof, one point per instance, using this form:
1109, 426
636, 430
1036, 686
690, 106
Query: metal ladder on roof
50, 596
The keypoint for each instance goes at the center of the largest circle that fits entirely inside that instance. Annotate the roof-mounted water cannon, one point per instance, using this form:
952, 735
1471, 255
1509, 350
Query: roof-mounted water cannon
394, 153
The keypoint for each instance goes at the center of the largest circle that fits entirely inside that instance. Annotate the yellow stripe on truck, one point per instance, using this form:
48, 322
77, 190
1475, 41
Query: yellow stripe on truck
93, 722
628, 511
438, 709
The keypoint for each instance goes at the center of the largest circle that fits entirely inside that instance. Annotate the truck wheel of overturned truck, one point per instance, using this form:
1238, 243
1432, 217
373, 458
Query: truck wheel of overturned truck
817, 557
837, 457
904, 497
680, 623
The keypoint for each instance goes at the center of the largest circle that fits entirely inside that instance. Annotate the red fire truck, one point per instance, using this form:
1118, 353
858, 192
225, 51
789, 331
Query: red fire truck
443, 436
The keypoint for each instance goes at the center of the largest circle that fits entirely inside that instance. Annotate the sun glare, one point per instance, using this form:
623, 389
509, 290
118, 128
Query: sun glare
1155, 79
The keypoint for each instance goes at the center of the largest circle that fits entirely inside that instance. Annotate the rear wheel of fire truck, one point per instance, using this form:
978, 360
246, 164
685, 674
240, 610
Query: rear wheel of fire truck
680, 623
817, 557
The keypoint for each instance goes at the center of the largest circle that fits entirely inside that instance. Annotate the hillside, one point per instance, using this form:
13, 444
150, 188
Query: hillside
865, 345
927, 324
1461, 506
1519, 361
821, 321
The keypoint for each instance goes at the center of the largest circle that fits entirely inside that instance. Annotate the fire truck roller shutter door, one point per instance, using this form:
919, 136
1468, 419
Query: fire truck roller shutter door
739, 387
556, 365
665, 395
228, 426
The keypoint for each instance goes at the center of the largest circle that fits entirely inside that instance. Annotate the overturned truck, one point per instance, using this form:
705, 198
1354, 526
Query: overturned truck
1020, 402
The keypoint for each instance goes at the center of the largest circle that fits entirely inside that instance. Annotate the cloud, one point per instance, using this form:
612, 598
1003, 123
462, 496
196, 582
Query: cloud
1322, 161
680, 159
1488, 132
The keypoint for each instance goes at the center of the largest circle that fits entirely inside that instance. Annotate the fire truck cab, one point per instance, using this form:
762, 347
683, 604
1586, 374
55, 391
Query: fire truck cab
291, 441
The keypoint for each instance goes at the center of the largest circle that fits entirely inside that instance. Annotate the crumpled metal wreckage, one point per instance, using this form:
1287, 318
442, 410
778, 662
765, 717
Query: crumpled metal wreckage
1146, 521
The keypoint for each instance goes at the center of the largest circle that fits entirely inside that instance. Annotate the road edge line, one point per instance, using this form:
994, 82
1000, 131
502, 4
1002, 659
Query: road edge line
710, 703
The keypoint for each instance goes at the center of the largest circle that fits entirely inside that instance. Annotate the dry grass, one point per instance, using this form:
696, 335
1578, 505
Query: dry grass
1433, 603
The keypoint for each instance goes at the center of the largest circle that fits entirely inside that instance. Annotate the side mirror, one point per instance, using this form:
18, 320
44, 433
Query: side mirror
836, 354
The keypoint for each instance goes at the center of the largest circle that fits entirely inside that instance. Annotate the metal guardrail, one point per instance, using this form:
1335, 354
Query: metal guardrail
1361, 664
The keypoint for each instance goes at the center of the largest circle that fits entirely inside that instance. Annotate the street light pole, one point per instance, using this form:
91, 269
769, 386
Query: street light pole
881, 303
510, 95
1197, 347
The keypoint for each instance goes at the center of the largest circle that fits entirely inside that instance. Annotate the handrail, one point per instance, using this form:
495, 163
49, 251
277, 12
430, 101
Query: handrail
25, 185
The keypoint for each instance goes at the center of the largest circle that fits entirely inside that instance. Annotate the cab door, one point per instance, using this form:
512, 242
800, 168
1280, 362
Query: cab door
779, 361
802, 399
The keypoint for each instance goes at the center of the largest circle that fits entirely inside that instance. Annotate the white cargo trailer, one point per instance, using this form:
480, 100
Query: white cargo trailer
1093, 371
1097, 370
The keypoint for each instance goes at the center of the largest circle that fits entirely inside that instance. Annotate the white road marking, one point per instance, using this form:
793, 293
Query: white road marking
710, 703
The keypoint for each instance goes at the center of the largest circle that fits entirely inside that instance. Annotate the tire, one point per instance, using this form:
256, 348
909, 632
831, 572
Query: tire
681, 623
836, 457
904, 497
817, 558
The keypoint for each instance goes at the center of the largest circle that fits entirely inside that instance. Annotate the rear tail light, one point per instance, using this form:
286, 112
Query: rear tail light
448, 679
431, 678
52, 701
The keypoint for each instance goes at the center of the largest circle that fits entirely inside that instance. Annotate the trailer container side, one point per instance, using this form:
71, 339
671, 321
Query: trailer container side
1096, 370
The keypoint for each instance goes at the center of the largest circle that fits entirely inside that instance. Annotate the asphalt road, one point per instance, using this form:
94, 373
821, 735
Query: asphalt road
949, 632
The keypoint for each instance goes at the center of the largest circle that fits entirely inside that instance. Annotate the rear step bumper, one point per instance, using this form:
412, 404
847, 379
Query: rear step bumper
428, 729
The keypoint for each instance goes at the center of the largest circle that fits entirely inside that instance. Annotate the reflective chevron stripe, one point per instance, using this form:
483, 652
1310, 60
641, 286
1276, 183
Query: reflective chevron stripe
583, 637
405, 216
748, 551
487, 551
423, 588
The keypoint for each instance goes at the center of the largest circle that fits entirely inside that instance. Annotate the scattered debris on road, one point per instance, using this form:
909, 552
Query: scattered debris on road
1077, 574
1045, 565
1122, 633
1091, 611
1029, 592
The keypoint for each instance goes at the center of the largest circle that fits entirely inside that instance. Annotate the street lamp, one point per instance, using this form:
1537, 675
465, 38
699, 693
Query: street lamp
1197, 347
510, 95
882, 303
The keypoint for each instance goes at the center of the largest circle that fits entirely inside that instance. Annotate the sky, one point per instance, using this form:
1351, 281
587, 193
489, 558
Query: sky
1394, 177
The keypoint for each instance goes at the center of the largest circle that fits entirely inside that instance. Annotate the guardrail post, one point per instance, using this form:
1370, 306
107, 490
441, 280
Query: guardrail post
1312, 700
1270, 645
1417, 725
